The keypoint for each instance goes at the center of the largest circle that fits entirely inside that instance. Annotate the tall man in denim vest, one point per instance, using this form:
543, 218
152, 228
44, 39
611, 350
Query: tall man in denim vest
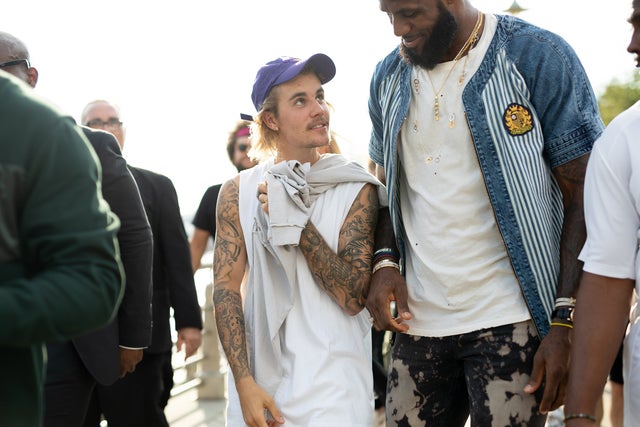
482, 126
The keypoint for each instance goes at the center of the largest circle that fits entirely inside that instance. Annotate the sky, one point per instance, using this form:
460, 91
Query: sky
182, 72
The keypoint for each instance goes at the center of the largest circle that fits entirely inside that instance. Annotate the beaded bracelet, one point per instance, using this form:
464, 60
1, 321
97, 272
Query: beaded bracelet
589, 417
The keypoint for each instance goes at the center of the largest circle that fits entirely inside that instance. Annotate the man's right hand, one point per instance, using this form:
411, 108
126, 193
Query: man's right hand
255, 403
387, 285
129, 358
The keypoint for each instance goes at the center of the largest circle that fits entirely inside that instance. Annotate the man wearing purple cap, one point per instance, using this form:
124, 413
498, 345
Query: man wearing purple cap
300, 351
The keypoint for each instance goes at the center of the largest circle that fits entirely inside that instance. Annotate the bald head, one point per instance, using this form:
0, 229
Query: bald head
14, 59
101, 114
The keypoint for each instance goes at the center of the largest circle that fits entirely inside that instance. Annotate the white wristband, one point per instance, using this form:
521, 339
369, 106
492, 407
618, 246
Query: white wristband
385, 263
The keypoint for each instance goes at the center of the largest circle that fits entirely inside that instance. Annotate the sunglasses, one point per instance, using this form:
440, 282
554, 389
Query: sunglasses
15, 62
113, 122
242, 147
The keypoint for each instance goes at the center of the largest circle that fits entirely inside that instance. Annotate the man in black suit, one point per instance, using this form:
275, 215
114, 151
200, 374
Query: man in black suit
139, 399
101, 357
74, 367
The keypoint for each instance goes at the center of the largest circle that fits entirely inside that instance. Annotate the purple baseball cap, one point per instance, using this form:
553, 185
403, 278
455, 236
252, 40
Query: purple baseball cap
285, 68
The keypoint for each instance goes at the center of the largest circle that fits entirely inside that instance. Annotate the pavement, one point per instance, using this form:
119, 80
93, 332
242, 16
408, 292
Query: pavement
186, 410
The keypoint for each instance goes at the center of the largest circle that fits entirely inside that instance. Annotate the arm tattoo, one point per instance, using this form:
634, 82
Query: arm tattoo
228, 269
231, 330
229, 238
345, 276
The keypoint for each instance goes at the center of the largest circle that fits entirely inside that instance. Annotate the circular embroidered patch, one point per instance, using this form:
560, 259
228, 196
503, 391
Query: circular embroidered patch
517, 119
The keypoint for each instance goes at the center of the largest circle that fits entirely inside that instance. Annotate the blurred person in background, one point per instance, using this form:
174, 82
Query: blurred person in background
204, 221
140, 398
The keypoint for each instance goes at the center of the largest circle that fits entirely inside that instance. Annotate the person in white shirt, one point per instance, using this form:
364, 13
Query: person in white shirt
611, 267
292, 266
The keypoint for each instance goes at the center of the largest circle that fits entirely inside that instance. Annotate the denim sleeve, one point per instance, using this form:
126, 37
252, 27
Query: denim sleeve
561, 94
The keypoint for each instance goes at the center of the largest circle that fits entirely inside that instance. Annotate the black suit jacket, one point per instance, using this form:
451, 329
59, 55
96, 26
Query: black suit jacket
173, 284
99, 350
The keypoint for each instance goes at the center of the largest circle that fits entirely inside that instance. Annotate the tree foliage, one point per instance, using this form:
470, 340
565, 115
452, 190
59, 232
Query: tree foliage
618, 96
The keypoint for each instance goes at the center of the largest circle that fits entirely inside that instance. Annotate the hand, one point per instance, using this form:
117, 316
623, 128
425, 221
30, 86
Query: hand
551, 363
263, 196
256, 403
387, 285
129, 358
191, 338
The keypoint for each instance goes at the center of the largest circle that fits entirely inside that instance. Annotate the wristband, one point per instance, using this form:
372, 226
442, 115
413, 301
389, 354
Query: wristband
385, 263
563, 313
566, 325
565, 302
589, 417
385, 253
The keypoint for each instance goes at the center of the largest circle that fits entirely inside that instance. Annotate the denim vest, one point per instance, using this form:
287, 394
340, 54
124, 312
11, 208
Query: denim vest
529, 108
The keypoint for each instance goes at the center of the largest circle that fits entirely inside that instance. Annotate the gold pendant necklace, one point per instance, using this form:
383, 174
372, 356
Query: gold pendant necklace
438, 94
471, 41
436, 155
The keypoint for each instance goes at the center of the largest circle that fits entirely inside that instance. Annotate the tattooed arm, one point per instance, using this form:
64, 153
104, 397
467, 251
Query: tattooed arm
229, 264
230, 259
345, 276
551, 362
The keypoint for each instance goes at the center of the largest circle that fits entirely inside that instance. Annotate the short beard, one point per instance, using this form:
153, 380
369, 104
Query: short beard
437, 45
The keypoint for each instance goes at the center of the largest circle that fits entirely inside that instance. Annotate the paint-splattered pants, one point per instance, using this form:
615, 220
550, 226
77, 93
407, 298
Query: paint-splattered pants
438, 382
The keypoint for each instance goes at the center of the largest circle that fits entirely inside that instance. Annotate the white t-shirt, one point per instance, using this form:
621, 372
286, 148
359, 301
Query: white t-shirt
612, 200
612, 213
458, 273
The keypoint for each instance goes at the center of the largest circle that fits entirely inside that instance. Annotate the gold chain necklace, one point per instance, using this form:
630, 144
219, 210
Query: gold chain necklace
436, 107
436, 152
469, 44
472, 40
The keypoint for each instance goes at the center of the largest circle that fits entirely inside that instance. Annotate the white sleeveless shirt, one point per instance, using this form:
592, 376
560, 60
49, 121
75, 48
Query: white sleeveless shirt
322, 374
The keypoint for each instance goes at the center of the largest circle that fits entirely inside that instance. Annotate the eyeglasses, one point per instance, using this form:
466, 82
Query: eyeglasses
112, 122
16, 62
243, 147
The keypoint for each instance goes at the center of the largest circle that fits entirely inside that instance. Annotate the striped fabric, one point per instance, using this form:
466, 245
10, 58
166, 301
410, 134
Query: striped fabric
537, 74
530, 185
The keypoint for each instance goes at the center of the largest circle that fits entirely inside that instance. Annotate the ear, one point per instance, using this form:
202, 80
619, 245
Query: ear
270, 120
32, 76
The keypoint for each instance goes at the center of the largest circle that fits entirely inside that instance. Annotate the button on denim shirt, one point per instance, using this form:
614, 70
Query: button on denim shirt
530, 108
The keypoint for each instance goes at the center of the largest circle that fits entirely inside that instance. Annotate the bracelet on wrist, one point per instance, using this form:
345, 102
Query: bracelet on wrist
589, 417
563, 313
385, 263
381, 257
564, 324
385, 253
565, 302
